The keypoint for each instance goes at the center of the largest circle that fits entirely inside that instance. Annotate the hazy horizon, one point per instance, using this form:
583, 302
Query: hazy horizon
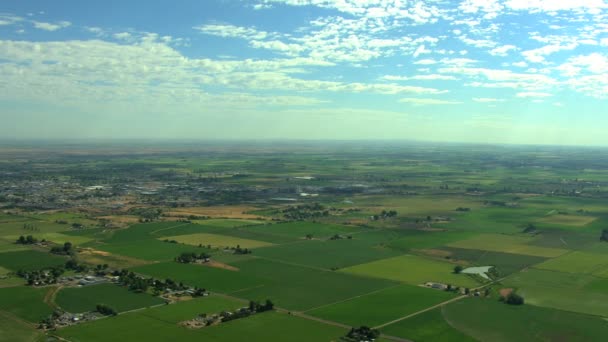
496, 72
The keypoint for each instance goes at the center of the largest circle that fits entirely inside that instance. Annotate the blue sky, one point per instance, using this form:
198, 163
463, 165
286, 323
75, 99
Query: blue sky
509, 71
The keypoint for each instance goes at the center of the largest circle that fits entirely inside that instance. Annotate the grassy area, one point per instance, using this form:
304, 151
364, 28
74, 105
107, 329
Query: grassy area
217, 241
577, 262
505, 263
412, 269
565, 291
30, 260
83, 299
507, 244
328, 254
13, 329
490, 320
429, 326
262, 327
383, 306
302, 288
57, 238
25, 302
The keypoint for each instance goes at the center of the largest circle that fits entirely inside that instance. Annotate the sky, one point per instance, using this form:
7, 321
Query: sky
489, 71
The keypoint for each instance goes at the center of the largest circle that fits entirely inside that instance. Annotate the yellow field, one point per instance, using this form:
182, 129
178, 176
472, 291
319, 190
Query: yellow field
216, 240
507, 244
568, 220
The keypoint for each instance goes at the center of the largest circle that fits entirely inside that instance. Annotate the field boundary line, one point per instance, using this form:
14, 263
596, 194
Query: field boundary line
172, 227
421, 311
351, 298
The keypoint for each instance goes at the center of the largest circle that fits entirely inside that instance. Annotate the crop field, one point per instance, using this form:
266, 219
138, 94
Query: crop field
429, 326
299, 230
490, 320
262, 327
86, 298
186, 310
58, 238
227, 223
382, 306
27, 303
507, 244
568, 220
206, 277
328, 254
217, 241
148, 249
412, 269
505, 263
559, 290
578, 262
29, 260
302, 288
12, 329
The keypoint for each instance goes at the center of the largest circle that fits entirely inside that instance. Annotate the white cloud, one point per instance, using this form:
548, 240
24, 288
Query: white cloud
502, 50
426, 101
431, 77
231, 31
531, 94
51, 27
487, 100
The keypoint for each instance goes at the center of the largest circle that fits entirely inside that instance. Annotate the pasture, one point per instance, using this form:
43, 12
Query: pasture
515, 244
27, 303
12, 329
258, 328
28, 260
217, 241
86, 298
577, 262
412, 269
490, 320
429, 326
382, 306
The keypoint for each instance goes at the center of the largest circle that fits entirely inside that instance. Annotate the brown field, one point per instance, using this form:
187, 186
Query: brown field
97, 257
232, 211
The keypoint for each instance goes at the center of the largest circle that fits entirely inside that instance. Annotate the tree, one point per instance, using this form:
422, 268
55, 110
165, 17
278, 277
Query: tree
514, 299
604, 236
458, 269
105, 310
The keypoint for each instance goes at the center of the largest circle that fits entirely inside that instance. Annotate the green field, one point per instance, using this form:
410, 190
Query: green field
412, 269
328, 254
83, 299
12, 329
210, 278
490, 320
505, 263
507, 244
429, 326
189, 309
578, 262
568, 220
383, 306
565, 291
217, 241
25, 302
302, 288
261, 327
57, 238
30, 260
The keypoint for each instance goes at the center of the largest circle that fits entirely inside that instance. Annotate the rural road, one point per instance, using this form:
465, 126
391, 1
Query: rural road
421, 311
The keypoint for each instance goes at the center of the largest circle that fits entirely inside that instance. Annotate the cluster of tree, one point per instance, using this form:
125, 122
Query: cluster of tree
76, 225
49, 322
604, 236
61, 221
190, 257
305, 211
385, 215
133, 281
169, 241
26, 240
75, 266
512, 299
66, 249
254, 307
458, 269
101, 270
530, 228
239, 250
45, 276
105, 310
463, 209
340, 237
362, 333
146, 214
29, 226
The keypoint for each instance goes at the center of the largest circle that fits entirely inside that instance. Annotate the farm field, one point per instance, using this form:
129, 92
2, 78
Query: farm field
414, 270
490, 320
261, 327
217, 241
86, 298
507, 244
29, 260
429, 326
382, 306
337, 237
